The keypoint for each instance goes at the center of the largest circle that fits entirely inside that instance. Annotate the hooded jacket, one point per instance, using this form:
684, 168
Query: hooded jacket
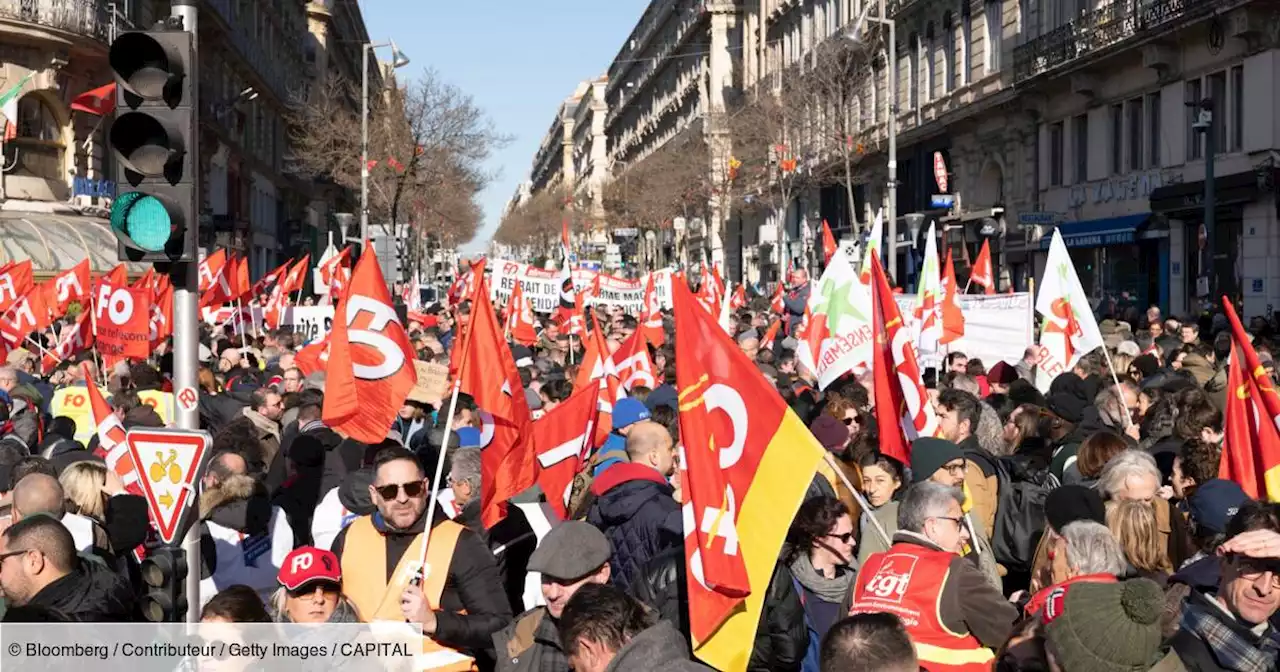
91, 592
243, 538
635, 510
660, 647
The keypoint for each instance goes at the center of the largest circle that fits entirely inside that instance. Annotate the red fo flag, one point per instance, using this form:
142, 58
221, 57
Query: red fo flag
562, 434
371, 367
903, 411
982, 273
488, 373
1251, 447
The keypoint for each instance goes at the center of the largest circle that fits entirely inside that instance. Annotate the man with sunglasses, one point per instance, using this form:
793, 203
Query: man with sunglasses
1232, 626
459, 602
39, 567
955, 617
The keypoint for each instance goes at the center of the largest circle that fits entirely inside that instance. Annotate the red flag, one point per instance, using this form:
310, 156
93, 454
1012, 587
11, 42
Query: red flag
982, 273
74, 339
651, 318
162, 316
210, 269
488, 373
739, 300
519, 319
314, 357
562, 433
1251, 446
122, 315
828, 243
99, 102
903, 411
71, 285
770, 334
15, 281
633, 365
111, 444
371, 368
952, 317
777, 304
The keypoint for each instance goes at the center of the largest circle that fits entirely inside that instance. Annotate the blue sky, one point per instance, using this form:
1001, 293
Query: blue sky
519, 59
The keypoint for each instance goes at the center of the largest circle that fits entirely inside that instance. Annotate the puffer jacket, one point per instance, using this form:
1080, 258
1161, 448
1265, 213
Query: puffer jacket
635, 510
781, 639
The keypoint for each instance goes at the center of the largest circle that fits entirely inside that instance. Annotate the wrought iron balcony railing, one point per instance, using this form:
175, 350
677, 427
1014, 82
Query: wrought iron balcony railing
90, 18
1101, 28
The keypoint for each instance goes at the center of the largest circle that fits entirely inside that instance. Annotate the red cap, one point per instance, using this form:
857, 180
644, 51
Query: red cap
306, 564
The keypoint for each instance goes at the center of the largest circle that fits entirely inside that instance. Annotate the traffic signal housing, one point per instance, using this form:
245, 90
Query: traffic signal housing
164, 573
155, 212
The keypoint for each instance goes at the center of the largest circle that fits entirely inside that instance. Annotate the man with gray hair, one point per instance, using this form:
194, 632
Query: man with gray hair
1118, 409
1132, 474
950, 610
511, 541
1089, 554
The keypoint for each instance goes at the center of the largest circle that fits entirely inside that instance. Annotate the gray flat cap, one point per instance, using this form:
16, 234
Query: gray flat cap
571, 550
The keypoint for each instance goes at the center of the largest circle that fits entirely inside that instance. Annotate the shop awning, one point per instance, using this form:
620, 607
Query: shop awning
1098, 232
55, 242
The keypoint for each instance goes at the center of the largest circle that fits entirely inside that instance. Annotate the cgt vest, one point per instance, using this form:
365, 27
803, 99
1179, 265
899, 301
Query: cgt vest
907, 581
378, 600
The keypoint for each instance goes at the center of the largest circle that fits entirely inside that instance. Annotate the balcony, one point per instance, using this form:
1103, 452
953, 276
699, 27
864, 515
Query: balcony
88, 18
1102, 28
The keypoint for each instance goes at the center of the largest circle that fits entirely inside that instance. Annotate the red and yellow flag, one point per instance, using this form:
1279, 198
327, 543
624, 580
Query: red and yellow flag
747, 462
1251, 448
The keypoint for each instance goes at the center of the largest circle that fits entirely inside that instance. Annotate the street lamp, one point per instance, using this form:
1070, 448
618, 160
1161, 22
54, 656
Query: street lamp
398, 60
891, 128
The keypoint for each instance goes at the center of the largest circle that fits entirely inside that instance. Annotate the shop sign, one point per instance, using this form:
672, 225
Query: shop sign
83, 186
1122, 188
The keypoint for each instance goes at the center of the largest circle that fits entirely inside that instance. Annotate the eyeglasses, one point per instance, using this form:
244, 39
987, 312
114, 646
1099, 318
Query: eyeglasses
413, 489
955, 468
958, 521
850, 421
844, 538
1252, 568
10, 554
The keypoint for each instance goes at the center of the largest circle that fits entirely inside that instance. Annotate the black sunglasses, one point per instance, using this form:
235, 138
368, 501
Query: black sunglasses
414, 489
844, 538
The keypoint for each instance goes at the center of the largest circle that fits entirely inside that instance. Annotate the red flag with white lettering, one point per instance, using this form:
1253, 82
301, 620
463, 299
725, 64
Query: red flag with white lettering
562, 434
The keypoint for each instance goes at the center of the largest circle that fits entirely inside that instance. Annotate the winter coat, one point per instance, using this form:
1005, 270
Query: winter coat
531, 643
472, 585
781, 639
635, 510
268, 438
91, 593
511, 540
980, 476
794, 302
660, 647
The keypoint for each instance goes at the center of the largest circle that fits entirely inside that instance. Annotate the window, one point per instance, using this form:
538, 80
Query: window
1195, 150
1055, 155
1237, 108
1080, 133
877, 74
1117, 139
1134, 110
949, 53
1153, 130
993, 17
966, 41
930, 45
1218, 92
913, 71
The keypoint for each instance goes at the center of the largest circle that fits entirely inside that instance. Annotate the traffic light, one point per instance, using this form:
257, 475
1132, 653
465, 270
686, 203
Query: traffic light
164, 573
154, 139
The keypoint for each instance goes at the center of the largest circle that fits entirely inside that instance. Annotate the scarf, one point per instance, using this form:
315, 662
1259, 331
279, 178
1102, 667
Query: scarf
830, 590
1232, 647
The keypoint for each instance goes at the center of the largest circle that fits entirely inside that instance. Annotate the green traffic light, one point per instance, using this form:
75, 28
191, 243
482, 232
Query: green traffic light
144, 219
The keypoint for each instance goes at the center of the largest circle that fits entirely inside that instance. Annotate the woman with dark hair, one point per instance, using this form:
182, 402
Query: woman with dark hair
1094, 454
235, 604
1022, 423
819, 559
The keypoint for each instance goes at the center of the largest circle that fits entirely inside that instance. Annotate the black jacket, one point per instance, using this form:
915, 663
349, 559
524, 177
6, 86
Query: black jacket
511, 542
635, 509
781, 638
472, 585
91, 592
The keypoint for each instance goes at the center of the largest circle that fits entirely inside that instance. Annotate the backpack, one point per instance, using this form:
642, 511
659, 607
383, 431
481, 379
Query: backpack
1023, 484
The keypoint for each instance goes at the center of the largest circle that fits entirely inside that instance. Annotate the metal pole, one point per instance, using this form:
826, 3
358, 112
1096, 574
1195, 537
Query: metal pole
1210, 201
891, 208
364, 145
186, 326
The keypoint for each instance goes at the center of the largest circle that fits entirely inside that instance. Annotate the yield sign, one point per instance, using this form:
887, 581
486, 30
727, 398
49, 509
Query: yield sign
169, 461
940, 171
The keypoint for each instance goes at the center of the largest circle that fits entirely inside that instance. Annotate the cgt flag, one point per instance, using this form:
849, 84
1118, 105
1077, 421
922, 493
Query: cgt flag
1251, 447
748, 460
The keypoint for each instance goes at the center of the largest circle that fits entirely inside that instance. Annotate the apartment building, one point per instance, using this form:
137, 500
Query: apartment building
1121, 167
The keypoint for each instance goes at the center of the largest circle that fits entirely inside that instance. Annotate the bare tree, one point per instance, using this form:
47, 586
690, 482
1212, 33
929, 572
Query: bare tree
427, 144
832, 91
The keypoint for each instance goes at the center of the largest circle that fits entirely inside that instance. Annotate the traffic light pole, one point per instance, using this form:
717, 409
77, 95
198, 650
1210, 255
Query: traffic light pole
186, 315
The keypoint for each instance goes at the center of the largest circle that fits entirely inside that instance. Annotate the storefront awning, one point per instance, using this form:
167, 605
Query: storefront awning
1098, 232
55, 243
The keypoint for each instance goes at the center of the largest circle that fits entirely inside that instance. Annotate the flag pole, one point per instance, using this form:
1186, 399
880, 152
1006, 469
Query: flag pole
857, 494
244, 341
439, 472
1128, 421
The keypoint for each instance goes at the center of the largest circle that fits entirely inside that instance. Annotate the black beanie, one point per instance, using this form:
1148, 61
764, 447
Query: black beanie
1070, 503
928, 454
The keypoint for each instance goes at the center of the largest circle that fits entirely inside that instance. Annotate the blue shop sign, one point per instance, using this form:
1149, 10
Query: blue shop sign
1098, 232
83, 186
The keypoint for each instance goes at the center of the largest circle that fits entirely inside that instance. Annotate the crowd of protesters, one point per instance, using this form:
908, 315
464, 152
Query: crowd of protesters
1083, 529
